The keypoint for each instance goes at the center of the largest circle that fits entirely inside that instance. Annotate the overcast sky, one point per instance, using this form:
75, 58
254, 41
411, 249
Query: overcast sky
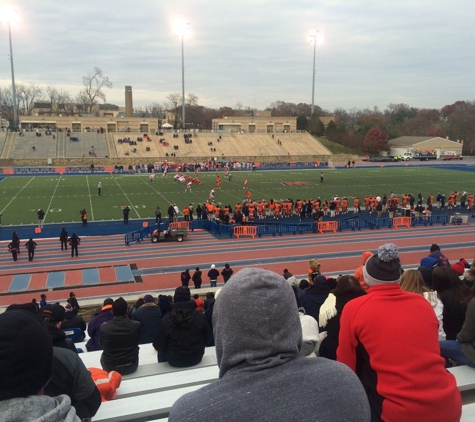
253, 52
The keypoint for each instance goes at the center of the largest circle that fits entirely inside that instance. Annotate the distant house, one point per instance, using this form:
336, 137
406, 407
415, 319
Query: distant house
437, 145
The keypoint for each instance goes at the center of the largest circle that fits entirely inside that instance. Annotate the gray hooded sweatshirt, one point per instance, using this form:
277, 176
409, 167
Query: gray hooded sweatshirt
258, 336
38, 409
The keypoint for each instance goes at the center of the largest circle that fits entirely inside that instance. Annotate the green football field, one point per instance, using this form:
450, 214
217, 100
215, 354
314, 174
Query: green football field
62, 197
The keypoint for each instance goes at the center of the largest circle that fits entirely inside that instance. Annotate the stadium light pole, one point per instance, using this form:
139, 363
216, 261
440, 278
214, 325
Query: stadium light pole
182, 29
9, 16
316, 38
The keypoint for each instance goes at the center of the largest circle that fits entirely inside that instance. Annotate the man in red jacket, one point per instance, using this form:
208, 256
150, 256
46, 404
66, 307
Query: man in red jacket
390, 339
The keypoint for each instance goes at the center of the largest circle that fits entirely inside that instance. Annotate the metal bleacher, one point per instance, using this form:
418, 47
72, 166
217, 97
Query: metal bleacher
29, 145
86, 140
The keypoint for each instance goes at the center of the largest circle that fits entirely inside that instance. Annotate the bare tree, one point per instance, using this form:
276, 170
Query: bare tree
156, 110
64, 103
28, 95
6, 104
173, 104
192, 100
94, 84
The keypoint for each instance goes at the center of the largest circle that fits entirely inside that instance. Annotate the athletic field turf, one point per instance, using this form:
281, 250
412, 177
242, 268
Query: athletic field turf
62, 197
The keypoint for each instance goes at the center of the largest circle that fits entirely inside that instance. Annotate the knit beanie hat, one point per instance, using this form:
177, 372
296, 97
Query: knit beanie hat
148, 298
26, 354
459, 266
384, 267
182, 294
434, 247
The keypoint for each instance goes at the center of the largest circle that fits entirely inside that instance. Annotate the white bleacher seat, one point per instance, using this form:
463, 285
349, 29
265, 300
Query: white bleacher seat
165, 368
163, 382
465, 376
468, 413
144, 406
147, 355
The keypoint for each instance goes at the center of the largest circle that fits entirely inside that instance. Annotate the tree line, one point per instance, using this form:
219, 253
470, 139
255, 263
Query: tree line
363, 130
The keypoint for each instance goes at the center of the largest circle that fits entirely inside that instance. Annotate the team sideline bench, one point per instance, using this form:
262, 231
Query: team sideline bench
153, 405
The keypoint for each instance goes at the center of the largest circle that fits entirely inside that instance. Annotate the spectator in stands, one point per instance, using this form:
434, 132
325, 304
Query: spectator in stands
359, 271
310, 333
53, 316
259, 364
120, 339
104, 315
183, 334
213, 275
74, 302
227, 272
399, 385
347, 289
74, 241
318, 290
149, 316
453, 293
469, 276
287, 273
26, 370
71, 320
138, 303
43, 302
199, 303
462, 350
63, 238
164, 304
435, 253
197, 280
412, 281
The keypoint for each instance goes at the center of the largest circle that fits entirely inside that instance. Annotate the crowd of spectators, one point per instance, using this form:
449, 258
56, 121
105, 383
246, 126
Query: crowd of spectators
387, 336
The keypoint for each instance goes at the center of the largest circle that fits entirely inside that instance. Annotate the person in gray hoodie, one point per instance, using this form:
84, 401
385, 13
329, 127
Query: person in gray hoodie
261, 376
26, 370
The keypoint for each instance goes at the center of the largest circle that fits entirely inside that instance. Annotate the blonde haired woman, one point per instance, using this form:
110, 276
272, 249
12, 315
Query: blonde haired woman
413, 282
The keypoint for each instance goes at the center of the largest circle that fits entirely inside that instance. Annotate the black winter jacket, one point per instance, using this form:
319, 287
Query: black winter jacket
183, 335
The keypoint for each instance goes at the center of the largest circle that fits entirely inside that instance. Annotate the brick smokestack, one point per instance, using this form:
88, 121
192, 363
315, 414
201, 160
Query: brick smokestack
129, 103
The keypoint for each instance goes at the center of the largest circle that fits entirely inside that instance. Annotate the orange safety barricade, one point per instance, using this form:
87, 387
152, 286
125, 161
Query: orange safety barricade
245, 231
402, 221
328, 225
178, 224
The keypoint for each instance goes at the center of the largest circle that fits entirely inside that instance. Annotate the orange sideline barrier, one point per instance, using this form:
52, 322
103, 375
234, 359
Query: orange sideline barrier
8, 171
245, 231
178, 224
60, 170
402, 221
109, 169
328, 225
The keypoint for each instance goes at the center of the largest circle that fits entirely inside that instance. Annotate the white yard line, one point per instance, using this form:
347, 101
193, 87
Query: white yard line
153, 188
128, 199
52, 197
18, 193
90, 197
